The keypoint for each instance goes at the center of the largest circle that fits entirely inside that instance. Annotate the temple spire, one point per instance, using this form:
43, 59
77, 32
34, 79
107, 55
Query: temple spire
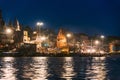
18, 26
61, 39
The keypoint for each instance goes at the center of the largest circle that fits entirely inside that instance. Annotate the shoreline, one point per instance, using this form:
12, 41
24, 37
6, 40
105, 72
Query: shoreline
34, 54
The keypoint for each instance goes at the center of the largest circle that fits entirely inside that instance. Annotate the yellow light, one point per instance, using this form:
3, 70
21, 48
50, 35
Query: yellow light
34, 32
68, 35
88, 50
43, 38
97, 42
93, 50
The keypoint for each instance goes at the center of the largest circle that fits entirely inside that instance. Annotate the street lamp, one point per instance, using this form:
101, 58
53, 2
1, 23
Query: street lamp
102, 39
34, 32
39, 24
8, 31
9, 34
102, 36
97, 42
68, 35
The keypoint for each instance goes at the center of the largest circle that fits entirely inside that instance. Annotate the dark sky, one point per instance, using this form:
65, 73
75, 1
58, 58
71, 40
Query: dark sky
89, 16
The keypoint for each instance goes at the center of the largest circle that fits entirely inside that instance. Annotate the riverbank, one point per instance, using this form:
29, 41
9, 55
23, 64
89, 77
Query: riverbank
18, 54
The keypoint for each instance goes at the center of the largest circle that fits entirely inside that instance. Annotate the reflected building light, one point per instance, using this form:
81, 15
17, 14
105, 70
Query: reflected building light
38, 70
98, 69
10, 59
68, 66
8, 69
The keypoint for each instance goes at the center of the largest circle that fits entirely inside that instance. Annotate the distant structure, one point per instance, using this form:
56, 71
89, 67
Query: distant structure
26, 39
18, 37
114, 46
62, 41
17, 26
2, 23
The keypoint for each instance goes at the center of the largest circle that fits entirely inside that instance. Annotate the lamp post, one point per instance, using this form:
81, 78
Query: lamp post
97, 42
68, 36
9, 34
102, 40
39, 24
102, 36
9, 37
8, 31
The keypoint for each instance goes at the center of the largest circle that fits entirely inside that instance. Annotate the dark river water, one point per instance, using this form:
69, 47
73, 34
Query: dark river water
60, 68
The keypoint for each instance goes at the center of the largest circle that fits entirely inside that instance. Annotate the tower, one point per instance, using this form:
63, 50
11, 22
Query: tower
17, 26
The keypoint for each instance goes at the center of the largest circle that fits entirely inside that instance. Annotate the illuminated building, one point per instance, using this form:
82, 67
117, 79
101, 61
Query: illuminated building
26, 39
62, 41
114, 46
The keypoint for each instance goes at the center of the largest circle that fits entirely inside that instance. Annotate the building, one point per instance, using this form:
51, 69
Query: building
114, 46
62, 41
26, 39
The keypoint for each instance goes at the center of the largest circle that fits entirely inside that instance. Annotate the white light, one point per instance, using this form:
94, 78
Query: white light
43, 38
39, 23
88, 50
34, 32
68, 35
93, 50
8, 31
102, 36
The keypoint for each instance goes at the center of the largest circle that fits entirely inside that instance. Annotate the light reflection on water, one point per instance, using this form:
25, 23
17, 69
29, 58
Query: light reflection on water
96, 68
58, 68
68, 67
6, 69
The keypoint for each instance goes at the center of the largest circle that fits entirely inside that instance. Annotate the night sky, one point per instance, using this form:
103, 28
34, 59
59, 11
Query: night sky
88, 16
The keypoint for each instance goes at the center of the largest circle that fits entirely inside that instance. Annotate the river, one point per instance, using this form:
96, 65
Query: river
60, 68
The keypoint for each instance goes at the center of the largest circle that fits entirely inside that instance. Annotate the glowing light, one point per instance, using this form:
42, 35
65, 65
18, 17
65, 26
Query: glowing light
8, 31
34, 32
88, 50
101, 51
97, 42
91, 50
43, 38
102, 36
68, 35
39, 23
